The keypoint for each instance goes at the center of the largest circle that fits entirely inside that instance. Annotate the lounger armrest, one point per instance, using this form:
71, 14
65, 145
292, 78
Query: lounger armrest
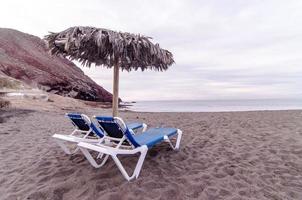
114, 139
111, 150
80, 131
74, 139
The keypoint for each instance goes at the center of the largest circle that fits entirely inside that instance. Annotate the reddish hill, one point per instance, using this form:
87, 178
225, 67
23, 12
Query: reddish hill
25, 57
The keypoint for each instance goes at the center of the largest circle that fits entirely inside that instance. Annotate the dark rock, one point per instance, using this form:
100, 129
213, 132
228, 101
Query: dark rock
26, 58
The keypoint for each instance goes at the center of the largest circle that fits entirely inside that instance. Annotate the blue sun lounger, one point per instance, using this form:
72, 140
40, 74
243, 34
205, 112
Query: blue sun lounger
139, 143
86, 131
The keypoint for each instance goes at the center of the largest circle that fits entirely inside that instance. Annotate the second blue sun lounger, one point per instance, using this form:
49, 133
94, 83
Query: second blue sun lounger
140, 143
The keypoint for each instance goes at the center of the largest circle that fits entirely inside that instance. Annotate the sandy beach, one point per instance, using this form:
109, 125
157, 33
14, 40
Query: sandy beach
219, 83
227, 155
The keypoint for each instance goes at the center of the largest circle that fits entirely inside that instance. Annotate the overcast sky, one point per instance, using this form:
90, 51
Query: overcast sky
224, 49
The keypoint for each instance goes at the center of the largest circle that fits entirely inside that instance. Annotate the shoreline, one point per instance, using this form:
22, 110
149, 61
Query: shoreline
56, 102
217, 105
239, 111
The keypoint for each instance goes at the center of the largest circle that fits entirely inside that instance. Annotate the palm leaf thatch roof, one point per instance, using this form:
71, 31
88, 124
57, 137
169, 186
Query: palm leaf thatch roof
99, 46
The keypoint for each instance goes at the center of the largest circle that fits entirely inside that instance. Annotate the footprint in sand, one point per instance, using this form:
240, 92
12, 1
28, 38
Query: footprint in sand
58, 193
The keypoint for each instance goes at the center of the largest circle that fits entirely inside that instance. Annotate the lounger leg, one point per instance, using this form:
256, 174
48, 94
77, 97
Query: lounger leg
92, 160
144, 127
120, 166
65, 148
138, 166
114, 152
179, 134
140, 163
100, 156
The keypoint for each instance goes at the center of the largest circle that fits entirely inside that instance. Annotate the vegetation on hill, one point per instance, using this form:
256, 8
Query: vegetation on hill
4, 103
6, 83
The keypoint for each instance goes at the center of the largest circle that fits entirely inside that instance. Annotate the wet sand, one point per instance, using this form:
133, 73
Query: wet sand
230, 155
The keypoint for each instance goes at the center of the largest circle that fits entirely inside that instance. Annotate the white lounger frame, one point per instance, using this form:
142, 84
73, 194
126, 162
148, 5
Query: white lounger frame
114, 152
62, 139
104, 149
73, 138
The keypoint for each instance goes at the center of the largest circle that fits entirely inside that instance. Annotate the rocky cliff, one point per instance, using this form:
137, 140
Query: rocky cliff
25, 57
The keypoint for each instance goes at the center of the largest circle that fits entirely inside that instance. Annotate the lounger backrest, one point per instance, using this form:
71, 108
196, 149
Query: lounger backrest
78, 121
109, 126
96, 130
115, 127
83, 123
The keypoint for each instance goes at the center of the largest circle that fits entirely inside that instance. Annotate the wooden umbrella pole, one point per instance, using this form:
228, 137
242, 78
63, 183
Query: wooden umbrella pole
115, 90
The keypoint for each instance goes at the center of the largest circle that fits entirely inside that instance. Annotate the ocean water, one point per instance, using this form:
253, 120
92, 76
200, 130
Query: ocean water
217, 105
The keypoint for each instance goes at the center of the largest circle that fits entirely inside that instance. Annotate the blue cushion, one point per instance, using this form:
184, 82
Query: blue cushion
74, 115
154, 136
105, 118
149, 137
134, 125
78, 121
96, 130
110, 126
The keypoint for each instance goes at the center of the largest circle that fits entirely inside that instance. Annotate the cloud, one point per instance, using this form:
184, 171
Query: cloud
223, 49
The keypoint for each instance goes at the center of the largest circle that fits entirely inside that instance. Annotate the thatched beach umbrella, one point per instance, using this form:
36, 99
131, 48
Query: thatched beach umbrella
99, 46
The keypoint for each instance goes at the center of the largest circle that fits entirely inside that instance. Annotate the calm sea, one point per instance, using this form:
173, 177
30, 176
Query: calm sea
217, 105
